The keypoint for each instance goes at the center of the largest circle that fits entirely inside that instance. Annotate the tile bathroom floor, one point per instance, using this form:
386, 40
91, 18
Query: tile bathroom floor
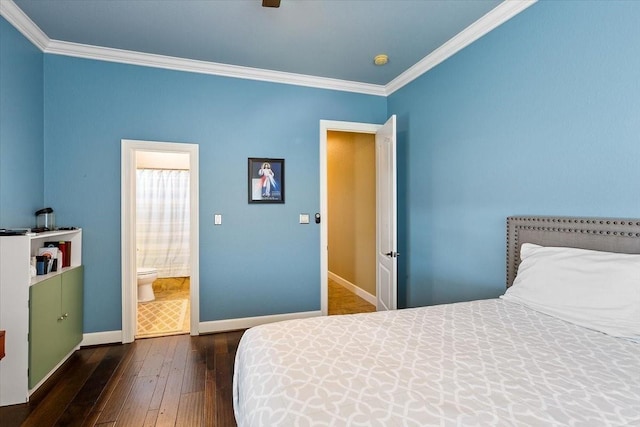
167, 289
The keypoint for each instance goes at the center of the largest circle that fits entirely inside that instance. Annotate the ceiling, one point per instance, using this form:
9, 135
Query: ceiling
328, 39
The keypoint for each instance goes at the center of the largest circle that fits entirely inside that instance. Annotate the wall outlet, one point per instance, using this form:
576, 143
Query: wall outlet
304, 218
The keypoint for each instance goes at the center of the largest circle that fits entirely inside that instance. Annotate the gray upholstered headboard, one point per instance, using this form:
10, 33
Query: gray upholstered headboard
603, 234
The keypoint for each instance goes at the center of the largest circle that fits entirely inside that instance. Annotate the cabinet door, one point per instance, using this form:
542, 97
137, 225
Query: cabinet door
72, 303
44, 323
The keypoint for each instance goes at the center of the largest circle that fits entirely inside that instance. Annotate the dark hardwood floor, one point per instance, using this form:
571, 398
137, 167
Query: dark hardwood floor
175, 380
167, 381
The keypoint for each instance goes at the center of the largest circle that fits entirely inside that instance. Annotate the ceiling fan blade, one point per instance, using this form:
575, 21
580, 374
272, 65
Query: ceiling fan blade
270, 3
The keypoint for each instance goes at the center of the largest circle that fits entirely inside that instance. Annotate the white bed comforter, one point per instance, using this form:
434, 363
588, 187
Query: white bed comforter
481, 363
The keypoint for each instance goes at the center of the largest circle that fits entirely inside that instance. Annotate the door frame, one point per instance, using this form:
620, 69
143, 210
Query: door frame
325, 127
128, 231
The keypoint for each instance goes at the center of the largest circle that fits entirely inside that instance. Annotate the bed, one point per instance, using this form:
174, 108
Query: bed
537, 356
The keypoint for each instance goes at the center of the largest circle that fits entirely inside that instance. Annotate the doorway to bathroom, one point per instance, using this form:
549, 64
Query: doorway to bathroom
162, 243
159, 239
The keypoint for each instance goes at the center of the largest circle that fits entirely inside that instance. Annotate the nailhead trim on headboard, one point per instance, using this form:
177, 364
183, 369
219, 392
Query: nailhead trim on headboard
599, 231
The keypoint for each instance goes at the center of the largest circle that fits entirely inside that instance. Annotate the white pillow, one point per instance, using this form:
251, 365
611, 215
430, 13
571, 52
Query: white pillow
597, 290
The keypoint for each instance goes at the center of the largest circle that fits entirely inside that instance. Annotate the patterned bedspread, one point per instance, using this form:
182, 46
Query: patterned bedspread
481, 363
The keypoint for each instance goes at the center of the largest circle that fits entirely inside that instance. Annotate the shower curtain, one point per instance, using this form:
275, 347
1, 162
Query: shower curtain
162, 221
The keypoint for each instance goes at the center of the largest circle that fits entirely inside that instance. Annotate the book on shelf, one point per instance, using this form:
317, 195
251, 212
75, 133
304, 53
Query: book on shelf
51, 256
65, 248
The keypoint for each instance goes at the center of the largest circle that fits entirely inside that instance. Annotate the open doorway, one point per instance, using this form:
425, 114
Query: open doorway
351, 193
383, 172
162, 243
160, 281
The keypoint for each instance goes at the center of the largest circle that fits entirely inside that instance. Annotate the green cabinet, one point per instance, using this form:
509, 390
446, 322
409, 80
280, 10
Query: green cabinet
72, 298
55, 321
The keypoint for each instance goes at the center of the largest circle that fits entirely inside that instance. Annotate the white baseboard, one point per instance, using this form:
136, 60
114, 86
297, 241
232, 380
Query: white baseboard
110, 337
98, 338
371, 299
248, 322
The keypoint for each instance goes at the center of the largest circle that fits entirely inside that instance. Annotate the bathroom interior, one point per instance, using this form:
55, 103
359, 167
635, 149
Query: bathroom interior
162, 243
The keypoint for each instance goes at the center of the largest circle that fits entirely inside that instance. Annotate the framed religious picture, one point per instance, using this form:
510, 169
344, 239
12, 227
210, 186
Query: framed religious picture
266, 180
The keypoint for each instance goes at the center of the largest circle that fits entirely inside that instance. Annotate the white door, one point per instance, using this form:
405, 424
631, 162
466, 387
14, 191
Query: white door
386, 233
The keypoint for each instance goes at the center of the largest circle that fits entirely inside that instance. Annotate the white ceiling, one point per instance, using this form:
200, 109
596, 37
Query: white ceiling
327, 43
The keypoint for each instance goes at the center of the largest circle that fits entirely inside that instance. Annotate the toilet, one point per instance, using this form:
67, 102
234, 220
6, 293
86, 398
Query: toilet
146, 277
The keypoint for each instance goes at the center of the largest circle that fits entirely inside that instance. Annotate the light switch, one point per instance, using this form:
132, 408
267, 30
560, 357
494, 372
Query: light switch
217, 219
304, 218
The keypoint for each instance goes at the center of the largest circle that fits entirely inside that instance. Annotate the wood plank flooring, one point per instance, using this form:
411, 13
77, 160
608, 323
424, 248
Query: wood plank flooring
175, 380
166, 381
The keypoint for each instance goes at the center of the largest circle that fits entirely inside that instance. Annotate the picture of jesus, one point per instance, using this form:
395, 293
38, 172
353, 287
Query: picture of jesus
266, 180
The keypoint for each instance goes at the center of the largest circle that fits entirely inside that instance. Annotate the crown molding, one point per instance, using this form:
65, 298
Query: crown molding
497, 16
204, 67
16, 17
494, 18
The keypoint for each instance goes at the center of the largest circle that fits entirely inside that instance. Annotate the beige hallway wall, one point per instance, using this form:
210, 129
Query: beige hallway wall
352, 208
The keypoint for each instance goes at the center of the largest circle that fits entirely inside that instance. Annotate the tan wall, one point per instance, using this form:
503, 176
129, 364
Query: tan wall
352, 208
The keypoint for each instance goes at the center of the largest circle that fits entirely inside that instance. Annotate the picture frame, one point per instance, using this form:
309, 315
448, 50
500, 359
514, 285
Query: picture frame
265, 180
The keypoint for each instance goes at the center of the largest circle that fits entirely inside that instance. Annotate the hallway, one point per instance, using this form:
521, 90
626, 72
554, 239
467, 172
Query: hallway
343, 301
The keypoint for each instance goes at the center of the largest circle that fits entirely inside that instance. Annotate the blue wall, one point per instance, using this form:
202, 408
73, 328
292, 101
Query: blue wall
260, 261
21, 139
540, 116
